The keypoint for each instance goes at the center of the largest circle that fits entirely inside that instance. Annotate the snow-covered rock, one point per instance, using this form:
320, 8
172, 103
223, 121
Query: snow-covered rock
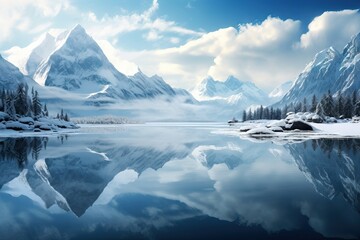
26, 120
14, 125
4, 116
276, 129
298, 124
280, 123
245, 128
260, 131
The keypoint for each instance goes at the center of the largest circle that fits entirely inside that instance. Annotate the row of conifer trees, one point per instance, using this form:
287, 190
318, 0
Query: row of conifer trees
339, 107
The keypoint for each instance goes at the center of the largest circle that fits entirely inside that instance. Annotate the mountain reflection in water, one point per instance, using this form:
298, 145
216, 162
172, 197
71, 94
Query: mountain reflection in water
147, 183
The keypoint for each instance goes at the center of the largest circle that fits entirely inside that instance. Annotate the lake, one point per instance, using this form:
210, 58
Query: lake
177, 181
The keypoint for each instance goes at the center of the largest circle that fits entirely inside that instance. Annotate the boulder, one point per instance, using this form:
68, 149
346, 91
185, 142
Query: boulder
276, 129
299, 124
4, 116
245, 128
260, 131
26, 120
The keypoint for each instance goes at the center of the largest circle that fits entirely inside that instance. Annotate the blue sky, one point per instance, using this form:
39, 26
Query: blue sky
186, 40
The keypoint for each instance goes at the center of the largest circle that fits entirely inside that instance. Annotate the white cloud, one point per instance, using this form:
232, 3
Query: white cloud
15, 14
152, 36
331, 29
268, 53
108, 27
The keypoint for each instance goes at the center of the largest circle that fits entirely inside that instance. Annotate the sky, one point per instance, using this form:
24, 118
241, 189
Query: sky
267, 42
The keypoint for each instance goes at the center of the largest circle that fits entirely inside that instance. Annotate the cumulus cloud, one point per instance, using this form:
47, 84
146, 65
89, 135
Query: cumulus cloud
268, 53
331, 29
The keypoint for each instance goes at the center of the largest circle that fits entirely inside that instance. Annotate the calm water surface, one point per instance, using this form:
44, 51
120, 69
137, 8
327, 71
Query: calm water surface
177, 181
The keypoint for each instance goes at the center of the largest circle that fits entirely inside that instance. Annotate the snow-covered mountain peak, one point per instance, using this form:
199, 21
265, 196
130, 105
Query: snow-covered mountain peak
328, 71
323, 57
27, 59
233, 83
352, 48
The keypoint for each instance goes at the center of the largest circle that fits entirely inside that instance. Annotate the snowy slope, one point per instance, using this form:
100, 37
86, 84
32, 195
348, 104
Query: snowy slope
280, 91
11, 77
29, 58
329, 70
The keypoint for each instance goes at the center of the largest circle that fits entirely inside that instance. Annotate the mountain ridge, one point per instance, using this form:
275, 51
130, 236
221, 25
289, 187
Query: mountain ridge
329, 70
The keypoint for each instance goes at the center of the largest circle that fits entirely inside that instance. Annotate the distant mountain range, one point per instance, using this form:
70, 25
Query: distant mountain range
231, 92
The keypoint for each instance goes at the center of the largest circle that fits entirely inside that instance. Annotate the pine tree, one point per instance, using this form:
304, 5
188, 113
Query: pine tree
298, 107
354, 98
320, 107
304, 106
46, 112
261, 112
21, 101
2, 100
36, 104
66, 117
266, 113
250, 116
330, 106
284, 111
357, 109
348, 107
340, 106
10, 106
313, 104
62, 114
244, 116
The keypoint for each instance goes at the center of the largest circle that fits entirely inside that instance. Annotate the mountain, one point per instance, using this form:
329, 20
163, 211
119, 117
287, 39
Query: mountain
232, 90
29, 58
329, 70
11, 77
79, 65
230, 97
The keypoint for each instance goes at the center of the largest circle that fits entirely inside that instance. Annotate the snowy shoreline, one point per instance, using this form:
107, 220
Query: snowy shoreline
27, 126
321, 130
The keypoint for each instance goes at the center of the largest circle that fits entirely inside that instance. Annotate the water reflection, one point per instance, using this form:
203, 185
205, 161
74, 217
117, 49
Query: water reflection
332, 166
145, 183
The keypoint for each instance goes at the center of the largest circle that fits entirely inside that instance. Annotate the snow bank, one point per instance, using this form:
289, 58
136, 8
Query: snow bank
28, 125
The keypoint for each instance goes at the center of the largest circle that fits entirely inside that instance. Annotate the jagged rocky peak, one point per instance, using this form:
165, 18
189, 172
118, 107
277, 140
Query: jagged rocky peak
323, 57
352, 48
78, 37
